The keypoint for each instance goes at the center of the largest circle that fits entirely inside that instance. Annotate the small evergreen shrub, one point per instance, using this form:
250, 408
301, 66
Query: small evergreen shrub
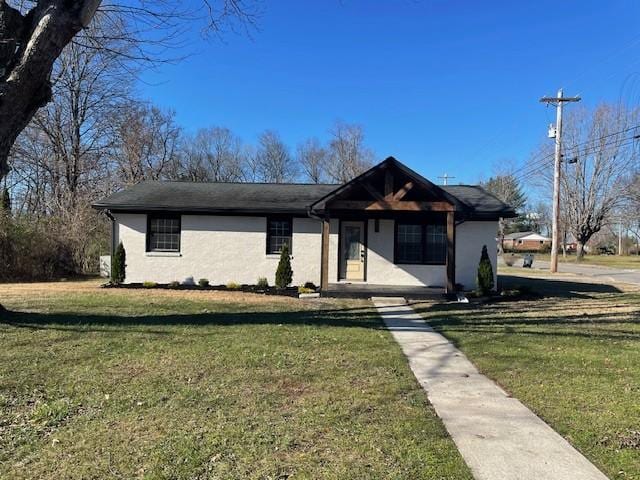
5, 202
174, 284
233, 286
484, 279
310, 285
284, 273
149, 284
263, 283
118, 265
203, 282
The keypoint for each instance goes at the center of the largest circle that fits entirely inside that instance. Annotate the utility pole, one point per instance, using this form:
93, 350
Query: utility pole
558, 102
445, 177
620, 238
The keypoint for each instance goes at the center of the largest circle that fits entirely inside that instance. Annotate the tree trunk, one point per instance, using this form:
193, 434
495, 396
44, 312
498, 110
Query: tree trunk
579, 251
38, 39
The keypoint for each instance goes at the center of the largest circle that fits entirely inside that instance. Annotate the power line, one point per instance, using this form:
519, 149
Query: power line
538, 159
534, 169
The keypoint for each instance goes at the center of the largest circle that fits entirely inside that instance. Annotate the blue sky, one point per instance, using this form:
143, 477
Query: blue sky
444, 86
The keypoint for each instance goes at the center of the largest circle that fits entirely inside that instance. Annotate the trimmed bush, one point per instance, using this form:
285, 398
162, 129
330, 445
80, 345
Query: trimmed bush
484, 279
233, 286
203, 282
149, 284
119, 265
310, 286
302, 289
284, 273
263, 283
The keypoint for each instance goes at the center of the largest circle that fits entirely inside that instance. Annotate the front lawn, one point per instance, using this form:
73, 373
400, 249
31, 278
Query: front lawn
101, 383
612, 261
572, 356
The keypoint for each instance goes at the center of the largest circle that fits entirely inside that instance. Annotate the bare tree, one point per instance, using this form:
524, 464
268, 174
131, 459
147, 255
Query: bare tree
313, 158
33, 35
146, 144
597, 157
63, 151
273, 161
213, 155
348, 156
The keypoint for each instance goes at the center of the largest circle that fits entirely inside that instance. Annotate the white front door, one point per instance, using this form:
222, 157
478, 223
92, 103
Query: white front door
352, 251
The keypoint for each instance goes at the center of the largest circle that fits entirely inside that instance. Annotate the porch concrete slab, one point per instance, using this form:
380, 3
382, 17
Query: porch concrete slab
498, 437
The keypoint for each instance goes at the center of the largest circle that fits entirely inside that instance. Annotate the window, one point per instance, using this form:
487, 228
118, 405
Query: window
278, 234
163, 233
421, 243
409, 244
436, 251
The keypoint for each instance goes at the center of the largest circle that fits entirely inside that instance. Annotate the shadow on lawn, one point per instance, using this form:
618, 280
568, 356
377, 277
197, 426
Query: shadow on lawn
503, 317
557, 288
565, 309
356, 317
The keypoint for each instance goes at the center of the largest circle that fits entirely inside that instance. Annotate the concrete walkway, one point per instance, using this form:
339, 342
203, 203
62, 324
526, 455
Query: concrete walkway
498, 437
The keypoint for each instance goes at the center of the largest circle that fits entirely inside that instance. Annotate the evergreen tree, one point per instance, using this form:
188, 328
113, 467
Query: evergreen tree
284, 274
484, 280
5, 201
118, 265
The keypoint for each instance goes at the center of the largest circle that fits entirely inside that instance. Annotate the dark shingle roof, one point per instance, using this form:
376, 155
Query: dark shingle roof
251, 198
479, 200
216, 197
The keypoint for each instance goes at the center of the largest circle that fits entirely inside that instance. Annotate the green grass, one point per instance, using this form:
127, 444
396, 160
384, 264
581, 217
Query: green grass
614, 261
193, 385
572, 356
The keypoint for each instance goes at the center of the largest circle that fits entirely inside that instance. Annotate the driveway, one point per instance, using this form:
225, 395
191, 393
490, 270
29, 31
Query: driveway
597, 273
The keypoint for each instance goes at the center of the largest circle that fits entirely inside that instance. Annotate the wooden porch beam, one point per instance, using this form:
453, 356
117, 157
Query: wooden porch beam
388, 184
372, 191
451, 253
324, 255
399, 195
392, 205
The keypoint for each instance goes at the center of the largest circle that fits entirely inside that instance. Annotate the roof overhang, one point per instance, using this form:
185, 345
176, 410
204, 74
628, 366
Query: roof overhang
390, 198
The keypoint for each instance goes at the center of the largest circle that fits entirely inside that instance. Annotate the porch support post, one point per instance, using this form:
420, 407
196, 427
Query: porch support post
324, 256
451, 252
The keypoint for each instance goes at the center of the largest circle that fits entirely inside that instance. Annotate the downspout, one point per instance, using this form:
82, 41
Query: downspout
113, 238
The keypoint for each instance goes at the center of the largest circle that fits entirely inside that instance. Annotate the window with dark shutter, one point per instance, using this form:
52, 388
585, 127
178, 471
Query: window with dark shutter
163, 233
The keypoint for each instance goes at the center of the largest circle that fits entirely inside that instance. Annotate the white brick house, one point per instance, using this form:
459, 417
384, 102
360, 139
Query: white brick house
389, 226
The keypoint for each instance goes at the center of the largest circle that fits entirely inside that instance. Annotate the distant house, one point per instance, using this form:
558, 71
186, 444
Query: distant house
529, 241
388, 226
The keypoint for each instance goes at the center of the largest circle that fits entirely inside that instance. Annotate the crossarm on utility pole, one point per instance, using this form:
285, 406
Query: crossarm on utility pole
555, 231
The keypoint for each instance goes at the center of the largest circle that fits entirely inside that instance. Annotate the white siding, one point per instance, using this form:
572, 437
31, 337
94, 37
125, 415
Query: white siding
470, 237
219, 248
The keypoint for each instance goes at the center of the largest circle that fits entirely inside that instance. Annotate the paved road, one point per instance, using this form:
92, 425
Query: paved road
597, 273
498, 436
